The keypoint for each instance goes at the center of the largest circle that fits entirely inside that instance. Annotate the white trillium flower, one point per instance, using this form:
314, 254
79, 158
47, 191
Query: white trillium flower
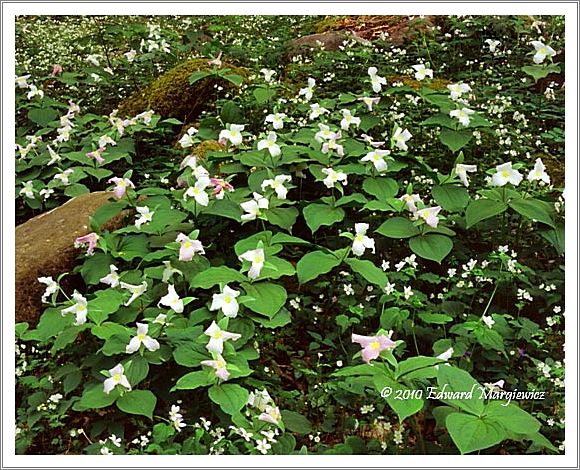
277, 184
461, 171
462, 115
457, 89
333, 177
28, 190
410, 200
51, 287
370, 102
219, 364
271, 415
376, 80
145, 218
542, 51
446, 355
400, 137
332, 144
198, 192
268, 74
54, 157
270, 144
233, 134
112, 278
421, 72
142, 338
429, 215
488, 320
94, 59
63, 177
307, 92
316, 110
277, 120
34, 91
217, 337
169, 270
117, 377
254, 207
361, 241
136, 291
21, 81
187, 140
506, 174
377, 157
492, 43
257, 258
79, 309
226, 301
130, 56
348, 119
172, 300
539, 172
324, 133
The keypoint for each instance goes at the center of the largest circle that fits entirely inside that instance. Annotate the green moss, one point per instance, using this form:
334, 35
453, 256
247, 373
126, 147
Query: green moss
207, 146
436, 84
171, 95
329, 23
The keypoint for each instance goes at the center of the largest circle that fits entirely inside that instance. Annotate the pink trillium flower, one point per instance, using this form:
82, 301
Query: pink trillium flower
220, 366
91, 238
410, 200
96, 154
56, 70
373, 345
188, 247
271, 415
217, 61
219, 187
121, 186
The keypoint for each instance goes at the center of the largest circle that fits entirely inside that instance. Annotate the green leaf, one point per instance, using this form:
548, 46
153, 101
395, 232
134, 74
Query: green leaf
540, 71
455, 140
533, 209
232, 113
414, 364
137, 370
72, 381
199, 75
452, 379
263, 95
75, 190
296, 422
216, 275
431, 246
234, 78
482, 209
67, 337
435, 318
106, 302
98, 173
138, 402
281, 318
451, 198
369, 271
381, 188
94, 398
471, 433
313, 264
230, 397
322, 214
403, 408
105, 213
556, 237
42, 116
442, 120
193, 380
267, 298
398, 227
512, 417
95, 267
284, 217
276, 268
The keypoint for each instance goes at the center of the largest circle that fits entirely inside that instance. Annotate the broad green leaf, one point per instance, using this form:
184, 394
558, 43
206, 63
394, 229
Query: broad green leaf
381, 188
96, 267
281, 318
199, 75
455, 140
232, 113
67, 337
398, 227
556, 238
296, 422
482, 209
415, 363
284, 217
540, 71
452, 379
369, 271
94, 398
512, 417
234, 78
533, 209
442, 120
263, 95
138, 402
76, 189
322, 214
435, 318
403, 408
42, 116
230, 397
431, 246
216, 275
105, 302
105, 213
471, 433
451, 198
136, 370
315, 263
193, 380
267, 298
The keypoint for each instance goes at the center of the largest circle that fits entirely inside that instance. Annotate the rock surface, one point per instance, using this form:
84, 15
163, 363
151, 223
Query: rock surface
45, 247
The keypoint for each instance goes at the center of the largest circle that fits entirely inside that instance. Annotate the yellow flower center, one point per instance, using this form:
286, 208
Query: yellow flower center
141, 336
217, 334
375, 345
228, 299
117, 377
220, 364
187, 245
505, 173
258, 259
